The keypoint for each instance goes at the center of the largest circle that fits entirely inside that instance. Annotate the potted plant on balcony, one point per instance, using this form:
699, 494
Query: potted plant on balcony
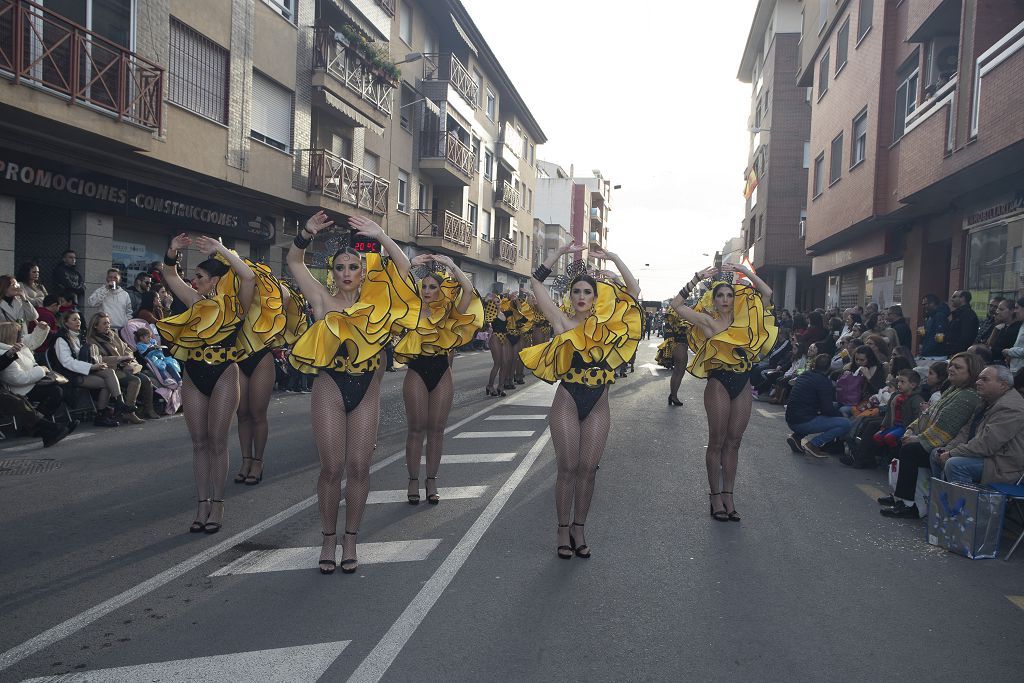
382, 65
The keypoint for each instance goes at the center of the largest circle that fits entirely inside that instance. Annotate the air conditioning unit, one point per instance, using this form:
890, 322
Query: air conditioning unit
803, 227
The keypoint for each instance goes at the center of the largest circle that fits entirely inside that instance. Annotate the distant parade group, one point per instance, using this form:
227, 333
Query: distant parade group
239, 311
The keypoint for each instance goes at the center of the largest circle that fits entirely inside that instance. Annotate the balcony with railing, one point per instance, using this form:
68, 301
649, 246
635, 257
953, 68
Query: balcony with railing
453, 235
507, 199
505, 251
446, 159
338, 178
388, 6
334, 57
447, 67
42, 49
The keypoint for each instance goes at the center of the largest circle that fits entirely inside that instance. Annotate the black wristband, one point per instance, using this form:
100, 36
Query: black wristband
541, 273
301, 242
684, 292
168, 261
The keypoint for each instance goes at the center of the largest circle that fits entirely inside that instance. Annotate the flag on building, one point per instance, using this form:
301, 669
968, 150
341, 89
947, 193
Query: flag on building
742, 279
751, 184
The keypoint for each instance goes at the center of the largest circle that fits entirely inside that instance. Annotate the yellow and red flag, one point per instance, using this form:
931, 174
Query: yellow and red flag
750, 185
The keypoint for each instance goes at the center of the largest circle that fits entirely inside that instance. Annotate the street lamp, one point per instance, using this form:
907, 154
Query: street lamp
411, 57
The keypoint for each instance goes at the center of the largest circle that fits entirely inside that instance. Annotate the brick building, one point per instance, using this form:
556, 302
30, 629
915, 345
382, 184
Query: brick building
917, 178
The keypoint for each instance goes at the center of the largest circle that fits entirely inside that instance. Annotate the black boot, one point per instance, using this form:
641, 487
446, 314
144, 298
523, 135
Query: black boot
50, 432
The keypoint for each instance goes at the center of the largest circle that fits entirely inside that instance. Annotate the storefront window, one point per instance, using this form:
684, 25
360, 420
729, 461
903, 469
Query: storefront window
994, 260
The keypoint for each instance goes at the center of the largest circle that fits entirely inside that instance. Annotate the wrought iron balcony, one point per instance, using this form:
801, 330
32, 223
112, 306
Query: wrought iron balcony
351, 69
446, 145
333, 176
510, 196
456, 230
447, 67
42, 48
505, 251
388, 6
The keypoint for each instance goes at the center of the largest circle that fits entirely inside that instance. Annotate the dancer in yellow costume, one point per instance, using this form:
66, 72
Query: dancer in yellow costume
498, 343
279, 319
674, 353
731, 328
524, 324
450, 315
204, 338
600, 334
343, 347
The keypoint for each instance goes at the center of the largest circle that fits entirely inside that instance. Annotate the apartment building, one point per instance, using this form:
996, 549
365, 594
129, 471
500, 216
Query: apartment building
133, 120
780, 126
917, 179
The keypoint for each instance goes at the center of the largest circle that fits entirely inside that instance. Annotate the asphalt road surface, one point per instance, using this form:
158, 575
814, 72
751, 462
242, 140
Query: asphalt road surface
100, 581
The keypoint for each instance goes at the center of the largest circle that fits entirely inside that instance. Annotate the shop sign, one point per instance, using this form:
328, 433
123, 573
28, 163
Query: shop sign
870, 247
78, 188
1006, 207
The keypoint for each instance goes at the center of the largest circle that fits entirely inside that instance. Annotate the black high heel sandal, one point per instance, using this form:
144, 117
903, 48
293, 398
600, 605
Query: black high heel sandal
568, 549
328, 566
213, 527
250, 480
414, 498
674, 401
731, 516
240, 478
350, 565
433, 498
718, 515
197, 527
582, 551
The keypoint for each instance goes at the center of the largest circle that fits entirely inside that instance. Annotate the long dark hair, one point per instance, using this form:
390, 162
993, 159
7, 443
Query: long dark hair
584, 278
24, 269
214, 268
714, 291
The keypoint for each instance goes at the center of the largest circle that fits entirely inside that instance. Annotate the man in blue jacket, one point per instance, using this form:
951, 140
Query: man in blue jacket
812, 410
933, 343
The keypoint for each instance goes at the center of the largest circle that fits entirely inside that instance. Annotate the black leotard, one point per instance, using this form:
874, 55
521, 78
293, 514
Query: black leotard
430, 369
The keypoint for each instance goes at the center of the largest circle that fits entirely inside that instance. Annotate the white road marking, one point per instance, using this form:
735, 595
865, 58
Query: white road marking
285, 559
538, 395
471, 458
83, 619
38, 446
446, 493
300, 663
384, 653
767, 413
495, 435
652, 368
654, 345
516, 417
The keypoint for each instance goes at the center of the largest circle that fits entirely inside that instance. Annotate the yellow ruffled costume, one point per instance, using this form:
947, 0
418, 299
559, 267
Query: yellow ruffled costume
674, 329
209, 322
350, 340
445, 327
266, 320
735, 349
609, 336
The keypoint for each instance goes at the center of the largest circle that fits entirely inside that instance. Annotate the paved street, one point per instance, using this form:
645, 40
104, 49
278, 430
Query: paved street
99, 579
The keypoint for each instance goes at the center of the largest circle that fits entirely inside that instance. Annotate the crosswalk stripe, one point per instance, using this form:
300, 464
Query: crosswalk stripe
286, 559
517, 417
446, 493
471, 458
538, 396
495, 435
300, 663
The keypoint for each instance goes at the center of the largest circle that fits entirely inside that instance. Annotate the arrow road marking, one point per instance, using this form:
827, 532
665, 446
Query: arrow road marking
301, 663
285, 559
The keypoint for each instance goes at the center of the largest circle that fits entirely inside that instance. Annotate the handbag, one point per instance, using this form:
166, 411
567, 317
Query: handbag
965, 519
849, 389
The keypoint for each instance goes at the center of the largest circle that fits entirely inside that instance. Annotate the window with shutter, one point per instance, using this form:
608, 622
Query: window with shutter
271, 113
197, 73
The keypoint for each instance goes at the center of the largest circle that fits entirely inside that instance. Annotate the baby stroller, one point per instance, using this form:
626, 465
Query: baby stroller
168, 390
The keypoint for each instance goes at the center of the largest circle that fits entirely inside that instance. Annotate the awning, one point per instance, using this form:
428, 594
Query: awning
462, 34
343, 108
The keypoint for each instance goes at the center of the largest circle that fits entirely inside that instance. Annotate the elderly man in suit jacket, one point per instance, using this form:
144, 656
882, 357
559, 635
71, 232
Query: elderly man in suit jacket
990, 448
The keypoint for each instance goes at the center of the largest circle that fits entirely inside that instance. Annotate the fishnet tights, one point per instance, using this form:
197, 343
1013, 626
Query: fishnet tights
345, 443
254, 398
208, 421
680, 356
501, 354
426, 414
727, 420
578, 450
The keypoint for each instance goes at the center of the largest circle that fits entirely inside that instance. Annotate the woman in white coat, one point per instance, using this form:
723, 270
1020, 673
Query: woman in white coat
24, 376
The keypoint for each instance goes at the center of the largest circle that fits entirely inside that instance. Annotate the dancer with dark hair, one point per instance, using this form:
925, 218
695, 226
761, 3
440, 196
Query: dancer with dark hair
731, 328
674, 353
203, 338
600, 334
450, 314
354, 322
501, 350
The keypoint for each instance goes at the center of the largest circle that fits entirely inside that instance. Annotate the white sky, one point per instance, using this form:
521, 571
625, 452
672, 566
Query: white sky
645, 91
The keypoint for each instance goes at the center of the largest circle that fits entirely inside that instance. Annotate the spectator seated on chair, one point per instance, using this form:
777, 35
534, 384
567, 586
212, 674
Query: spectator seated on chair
982, 351
904, 407
82, 363
29, 421
22, 376
121, 356
990, 448
48, 313
812, 411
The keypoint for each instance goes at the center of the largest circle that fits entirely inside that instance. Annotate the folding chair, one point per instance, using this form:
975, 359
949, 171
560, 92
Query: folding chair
74, 395
7, 421
1015, 502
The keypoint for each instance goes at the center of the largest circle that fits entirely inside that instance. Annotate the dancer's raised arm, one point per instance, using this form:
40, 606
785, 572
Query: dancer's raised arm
559, 321
632, 286
762, 288
678, 304
310, 287
169, 271
246, 278
367, 228
461, 278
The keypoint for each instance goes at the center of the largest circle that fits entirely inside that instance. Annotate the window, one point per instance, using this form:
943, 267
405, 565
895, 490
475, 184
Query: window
473, 216
859, 149
807, 94
526, 144
823, 75
286, 8
864, 13
478, 78
835, 162
822, 14
423, 198
807, 154
271, 121
529, 203
371, 162
488, 163
197, 73
906, 96
803, 223
485, 225
533, 152
803, 20
408, 97
405, 23
819, 175
842, 45
403, 190
491, 105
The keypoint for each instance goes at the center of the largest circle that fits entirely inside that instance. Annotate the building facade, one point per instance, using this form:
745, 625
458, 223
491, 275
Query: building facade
780, 125
144, 118
917, 178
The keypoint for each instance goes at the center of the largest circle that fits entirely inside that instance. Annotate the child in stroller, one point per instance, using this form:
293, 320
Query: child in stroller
170, 370
166, 377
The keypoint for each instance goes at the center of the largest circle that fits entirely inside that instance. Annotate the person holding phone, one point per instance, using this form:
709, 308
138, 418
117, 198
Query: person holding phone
363, 303
113, 300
